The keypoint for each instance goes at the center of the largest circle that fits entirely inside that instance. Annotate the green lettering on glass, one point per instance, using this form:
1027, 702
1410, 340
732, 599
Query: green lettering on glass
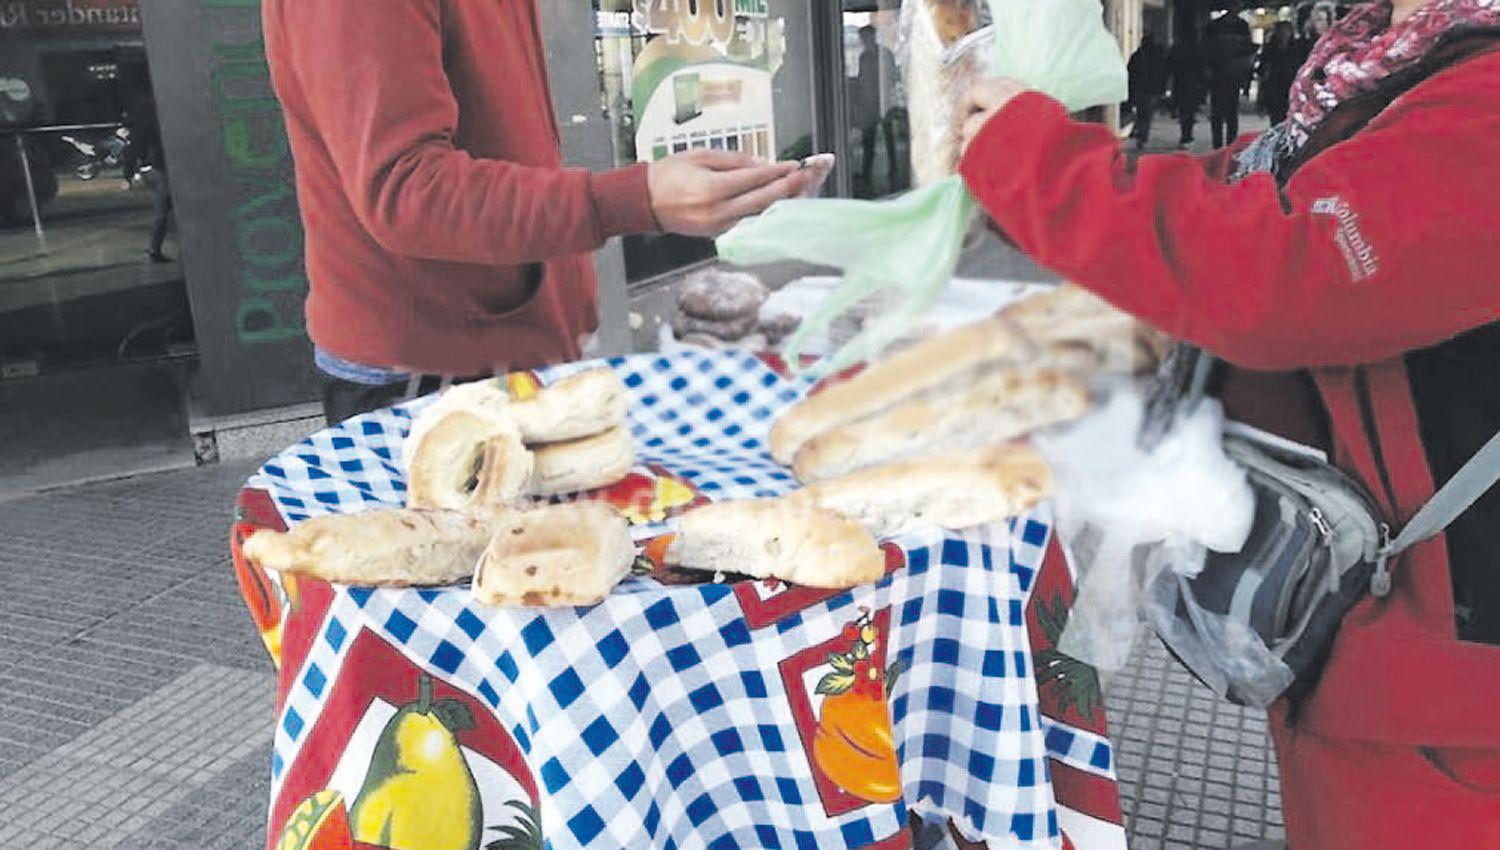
239, 146
258, 321
292, 282
254, 51
271, 231
241, 71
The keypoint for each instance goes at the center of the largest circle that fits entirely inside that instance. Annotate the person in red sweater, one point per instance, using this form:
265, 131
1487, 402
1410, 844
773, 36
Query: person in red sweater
444, 236
1345, 262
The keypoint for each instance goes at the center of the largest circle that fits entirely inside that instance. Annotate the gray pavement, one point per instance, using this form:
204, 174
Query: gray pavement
138, 698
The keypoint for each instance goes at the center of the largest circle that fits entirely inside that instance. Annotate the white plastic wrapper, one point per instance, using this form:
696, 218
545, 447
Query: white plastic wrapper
1126, 514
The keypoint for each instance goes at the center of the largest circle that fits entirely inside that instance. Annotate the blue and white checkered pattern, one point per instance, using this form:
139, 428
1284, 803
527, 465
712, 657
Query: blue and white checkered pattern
659, 718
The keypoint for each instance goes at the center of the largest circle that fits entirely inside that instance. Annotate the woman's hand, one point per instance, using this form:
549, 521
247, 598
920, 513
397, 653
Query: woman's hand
984, 99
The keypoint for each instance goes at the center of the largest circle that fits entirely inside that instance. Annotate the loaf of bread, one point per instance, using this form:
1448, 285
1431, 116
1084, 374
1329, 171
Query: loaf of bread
579, 465
560, 555
777, 538
1002, 404
946, 490
578, 406
391, 547
918, 368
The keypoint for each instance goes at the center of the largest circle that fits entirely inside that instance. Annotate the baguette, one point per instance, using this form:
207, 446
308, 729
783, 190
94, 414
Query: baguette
586, 464
950, 490
921, 366
396, 548
777, 538
561, 555
1002, 405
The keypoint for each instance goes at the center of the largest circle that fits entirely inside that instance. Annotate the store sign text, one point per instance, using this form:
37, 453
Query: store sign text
268, 232
70, 16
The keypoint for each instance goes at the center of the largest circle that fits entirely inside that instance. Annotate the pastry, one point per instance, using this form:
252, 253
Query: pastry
390, 547
464, 459
719, 295
948, 490
580, 405
777, 538
579, 465
560, 555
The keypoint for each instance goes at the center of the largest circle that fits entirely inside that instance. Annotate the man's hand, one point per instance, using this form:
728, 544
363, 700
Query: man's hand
984, 99
704, 192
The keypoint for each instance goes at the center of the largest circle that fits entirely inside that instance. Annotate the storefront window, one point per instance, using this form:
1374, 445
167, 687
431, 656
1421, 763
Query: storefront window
879, 142
88, 270
678, 75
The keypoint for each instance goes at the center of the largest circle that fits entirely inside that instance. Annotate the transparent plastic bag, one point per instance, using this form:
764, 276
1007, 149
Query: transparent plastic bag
1128, 515
903, 251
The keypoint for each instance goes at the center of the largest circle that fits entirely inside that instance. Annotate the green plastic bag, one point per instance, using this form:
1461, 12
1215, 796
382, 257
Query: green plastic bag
906, 248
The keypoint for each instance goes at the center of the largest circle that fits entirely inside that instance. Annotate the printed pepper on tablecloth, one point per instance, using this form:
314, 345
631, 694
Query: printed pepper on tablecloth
751, 714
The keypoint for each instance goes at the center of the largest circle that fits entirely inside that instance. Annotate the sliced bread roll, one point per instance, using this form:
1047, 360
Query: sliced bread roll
572, 408
918, 368
481, 399
948, 490
585, 464
777, 538
467, 459
1001, 405
561, 555
402, 547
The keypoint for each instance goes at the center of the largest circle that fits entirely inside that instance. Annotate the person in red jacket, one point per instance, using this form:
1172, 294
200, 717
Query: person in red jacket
1346, 263
444, 236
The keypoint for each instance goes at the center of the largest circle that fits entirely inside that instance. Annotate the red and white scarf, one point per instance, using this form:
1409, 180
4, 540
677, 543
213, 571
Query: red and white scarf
1353, 58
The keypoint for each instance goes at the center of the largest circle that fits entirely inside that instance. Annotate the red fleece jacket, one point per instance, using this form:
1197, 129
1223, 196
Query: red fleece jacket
1380, 245
443, 233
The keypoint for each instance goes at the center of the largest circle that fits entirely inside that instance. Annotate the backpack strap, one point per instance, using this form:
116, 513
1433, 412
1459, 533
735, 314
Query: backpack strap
1472, 480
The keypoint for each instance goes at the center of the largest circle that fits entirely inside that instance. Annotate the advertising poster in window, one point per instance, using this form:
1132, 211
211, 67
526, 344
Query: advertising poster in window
703, 78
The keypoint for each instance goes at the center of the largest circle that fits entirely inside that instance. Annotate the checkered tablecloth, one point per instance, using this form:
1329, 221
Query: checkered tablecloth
669, 716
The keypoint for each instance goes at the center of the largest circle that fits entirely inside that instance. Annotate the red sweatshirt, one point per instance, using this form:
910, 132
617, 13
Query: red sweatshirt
443, 234
1375, 266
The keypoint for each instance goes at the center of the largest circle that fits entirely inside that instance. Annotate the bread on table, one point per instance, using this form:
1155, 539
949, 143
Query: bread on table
579, 465
1079, 331
467, 460
920, 367
777, 538
580, 405
388, 547
560, 555
1003, 404
947, 490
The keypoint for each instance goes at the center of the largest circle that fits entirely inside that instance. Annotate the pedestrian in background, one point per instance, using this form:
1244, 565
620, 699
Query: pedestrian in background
1148, 73
1186, 60
1279, 61
1230, 55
